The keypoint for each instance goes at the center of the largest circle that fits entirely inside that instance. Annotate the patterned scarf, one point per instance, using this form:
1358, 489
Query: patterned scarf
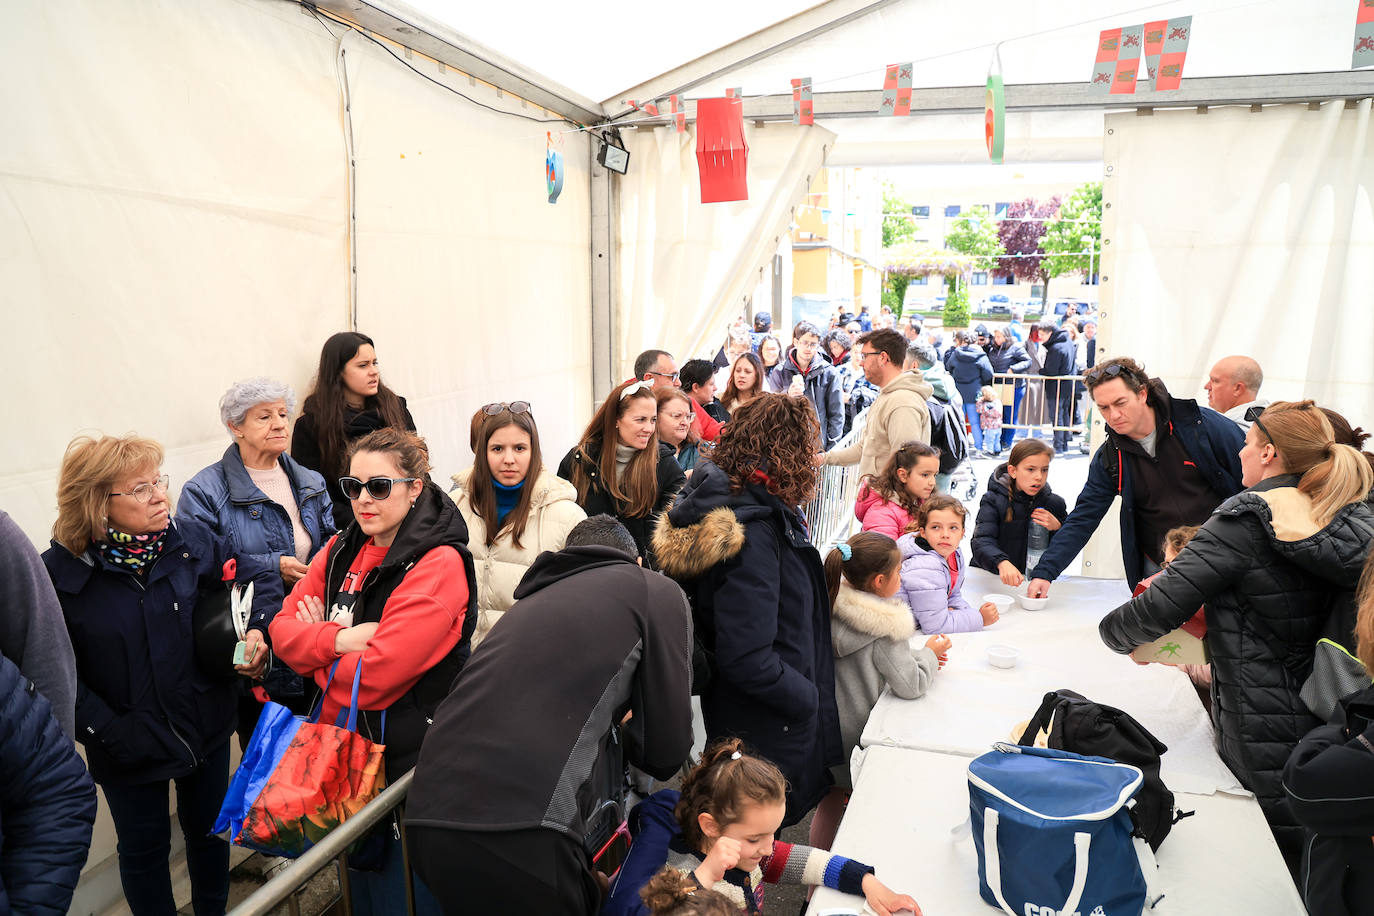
134, 552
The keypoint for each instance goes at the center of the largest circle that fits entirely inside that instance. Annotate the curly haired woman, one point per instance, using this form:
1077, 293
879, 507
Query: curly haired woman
736, 543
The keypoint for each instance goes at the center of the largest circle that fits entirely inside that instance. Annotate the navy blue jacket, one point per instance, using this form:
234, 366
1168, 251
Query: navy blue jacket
822, 386
47, 802
994, 537
761, 607
971, 371
258, 530
1060, 355
1212, 442
1010, 357
652, 827
144, 709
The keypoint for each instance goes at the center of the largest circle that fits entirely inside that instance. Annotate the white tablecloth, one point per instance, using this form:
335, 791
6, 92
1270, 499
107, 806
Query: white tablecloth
906, 804
972, 704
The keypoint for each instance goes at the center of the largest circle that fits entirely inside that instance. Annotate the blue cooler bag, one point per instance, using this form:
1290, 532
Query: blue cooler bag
1053, 833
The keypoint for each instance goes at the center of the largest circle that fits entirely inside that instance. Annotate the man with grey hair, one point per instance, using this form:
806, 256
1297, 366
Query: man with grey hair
1233, 387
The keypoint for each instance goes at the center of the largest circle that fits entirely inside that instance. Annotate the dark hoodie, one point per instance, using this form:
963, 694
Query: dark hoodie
1267, 573
761, 607
971, 371
530, 736
997, 537
433, 522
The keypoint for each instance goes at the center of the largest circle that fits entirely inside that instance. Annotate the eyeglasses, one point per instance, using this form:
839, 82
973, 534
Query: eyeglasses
377, 487
667, 375
644, 385
865, 354
144, 491
497, 407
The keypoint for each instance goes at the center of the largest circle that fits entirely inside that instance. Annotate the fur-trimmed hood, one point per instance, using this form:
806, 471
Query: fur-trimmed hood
706, 524
867, 617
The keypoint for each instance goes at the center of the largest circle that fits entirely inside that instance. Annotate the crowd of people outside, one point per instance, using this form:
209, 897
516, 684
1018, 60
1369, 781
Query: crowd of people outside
522, 635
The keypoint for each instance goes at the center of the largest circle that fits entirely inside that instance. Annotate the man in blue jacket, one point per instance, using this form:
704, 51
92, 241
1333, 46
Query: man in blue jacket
1171, 462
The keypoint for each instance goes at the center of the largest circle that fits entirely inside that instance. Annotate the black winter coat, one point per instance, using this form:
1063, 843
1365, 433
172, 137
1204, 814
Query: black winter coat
994, 537
761, 608
971, 371
598, 500
1060, 355
1267, 576
1330, 785
47, 802
144, 709
1010, 357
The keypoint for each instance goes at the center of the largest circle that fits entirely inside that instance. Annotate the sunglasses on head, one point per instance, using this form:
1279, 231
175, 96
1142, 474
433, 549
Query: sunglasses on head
497, 407
1102, 373
377, 487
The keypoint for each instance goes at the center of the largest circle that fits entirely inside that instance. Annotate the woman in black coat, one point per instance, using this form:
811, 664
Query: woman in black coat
736, 543
620, 467
1008, 356
1330, 785
1267, 566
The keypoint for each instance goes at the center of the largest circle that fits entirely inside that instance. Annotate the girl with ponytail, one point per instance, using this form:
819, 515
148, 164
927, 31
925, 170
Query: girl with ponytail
870, 631
1272, 565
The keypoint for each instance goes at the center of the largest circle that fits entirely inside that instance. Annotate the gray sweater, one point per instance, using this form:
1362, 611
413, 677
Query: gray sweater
872, 650
33, 632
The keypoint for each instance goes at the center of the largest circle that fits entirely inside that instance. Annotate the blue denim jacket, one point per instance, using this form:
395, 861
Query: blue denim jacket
224, 497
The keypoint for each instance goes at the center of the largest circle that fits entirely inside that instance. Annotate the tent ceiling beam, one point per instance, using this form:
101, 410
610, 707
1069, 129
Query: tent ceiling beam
413, 29
1273, 89
760, 45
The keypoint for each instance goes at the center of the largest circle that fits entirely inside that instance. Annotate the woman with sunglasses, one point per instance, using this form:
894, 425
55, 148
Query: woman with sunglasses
129, 579
395, 594
348, 402
515, 508
1269, 565
621, 468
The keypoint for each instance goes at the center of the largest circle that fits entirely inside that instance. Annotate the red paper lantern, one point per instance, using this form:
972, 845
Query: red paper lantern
722, 153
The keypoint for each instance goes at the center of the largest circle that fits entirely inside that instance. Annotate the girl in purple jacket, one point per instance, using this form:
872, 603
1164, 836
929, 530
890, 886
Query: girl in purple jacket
933, 570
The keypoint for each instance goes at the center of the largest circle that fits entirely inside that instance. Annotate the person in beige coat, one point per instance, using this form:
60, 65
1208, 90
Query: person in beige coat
532, 508
898, 415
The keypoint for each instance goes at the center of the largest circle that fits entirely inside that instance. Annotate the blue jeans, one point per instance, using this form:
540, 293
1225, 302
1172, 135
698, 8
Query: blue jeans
143, 829
971, 414
1010, 415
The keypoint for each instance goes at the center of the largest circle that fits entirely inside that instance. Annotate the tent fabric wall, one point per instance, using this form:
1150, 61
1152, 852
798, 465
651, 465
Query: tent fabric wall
1241, 232
173, 216
686, 267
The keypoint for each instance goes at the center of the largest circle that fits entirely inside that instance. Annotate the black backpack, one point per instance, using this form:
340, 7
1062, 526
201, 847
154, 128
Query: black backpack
1075, 723
947, 433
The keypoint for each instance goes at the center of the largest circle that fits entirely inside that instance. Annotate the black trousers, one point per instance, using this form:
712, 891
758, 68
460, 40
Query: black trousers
516, 871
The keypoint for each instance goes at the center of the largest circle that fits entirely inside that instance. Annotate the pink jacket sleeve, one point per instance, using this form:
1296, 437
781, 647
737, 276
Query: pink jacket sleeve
887, 518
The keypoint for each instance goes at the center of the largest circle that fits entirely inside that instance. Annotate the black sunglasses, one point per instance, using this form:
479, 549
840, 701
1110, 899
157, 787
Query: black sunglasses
1102, 373
377, 487
497, 407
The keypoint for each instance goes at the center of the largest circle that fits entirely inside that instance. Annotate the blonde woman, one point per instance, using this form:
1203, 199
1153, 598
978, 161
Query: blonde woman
1266, 565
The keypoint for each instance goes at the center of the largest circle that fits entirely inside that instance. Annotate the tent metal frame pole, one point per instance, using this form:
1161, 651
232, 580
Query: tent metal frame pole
1275, 89
413, 29
604, 207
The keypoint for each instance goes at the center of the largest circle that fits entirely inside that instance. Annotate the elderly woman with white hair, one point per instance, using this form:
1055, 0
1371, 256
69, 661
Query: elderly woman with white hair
271, 510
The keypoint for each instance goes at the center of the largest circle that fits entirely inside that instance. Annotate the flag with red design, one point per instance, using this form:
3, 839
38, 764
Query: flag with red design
802, 111
1169, 73
1363, 55
896, 91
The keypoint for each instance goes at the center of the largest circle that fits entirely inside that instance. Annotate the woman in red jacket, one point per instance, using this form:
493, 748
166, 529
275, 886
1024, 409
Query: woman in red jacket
394, 593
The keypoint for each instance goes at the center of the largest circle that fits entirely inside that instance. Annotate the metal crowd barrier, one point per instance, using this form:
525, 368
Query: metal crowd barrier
830, 514
1004, 383
333, 849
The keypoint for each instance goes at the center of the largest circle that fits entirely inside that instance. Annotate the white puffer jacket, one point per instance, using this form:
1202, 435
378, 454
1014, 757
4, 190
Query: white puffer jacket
500, 567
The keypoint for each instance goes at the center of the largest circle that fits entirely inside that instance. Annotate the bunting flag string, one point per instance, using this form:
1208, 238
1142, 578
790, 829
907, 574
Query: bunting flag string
896, 91
802, 112
679, 116
1152, 53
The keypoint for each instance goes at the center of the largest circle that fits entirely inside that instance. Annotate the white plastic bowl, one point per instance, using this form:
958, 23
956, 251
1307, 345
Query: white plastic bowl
1003, 656
1031, 604
1003, 602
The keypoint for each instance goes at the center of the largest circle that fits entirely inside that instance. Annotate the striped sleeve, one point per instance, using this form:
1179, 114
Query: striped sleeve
795, 864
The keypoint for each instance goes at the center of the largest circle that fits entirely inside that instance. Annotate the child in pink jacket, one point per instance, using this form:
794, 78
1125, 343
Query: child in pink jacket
887, 503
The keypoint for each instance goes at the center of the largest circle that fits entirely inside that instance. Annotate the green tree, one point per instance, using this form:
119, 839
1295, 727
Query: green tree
956, 303
975, 234
898, 226
1073, 240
